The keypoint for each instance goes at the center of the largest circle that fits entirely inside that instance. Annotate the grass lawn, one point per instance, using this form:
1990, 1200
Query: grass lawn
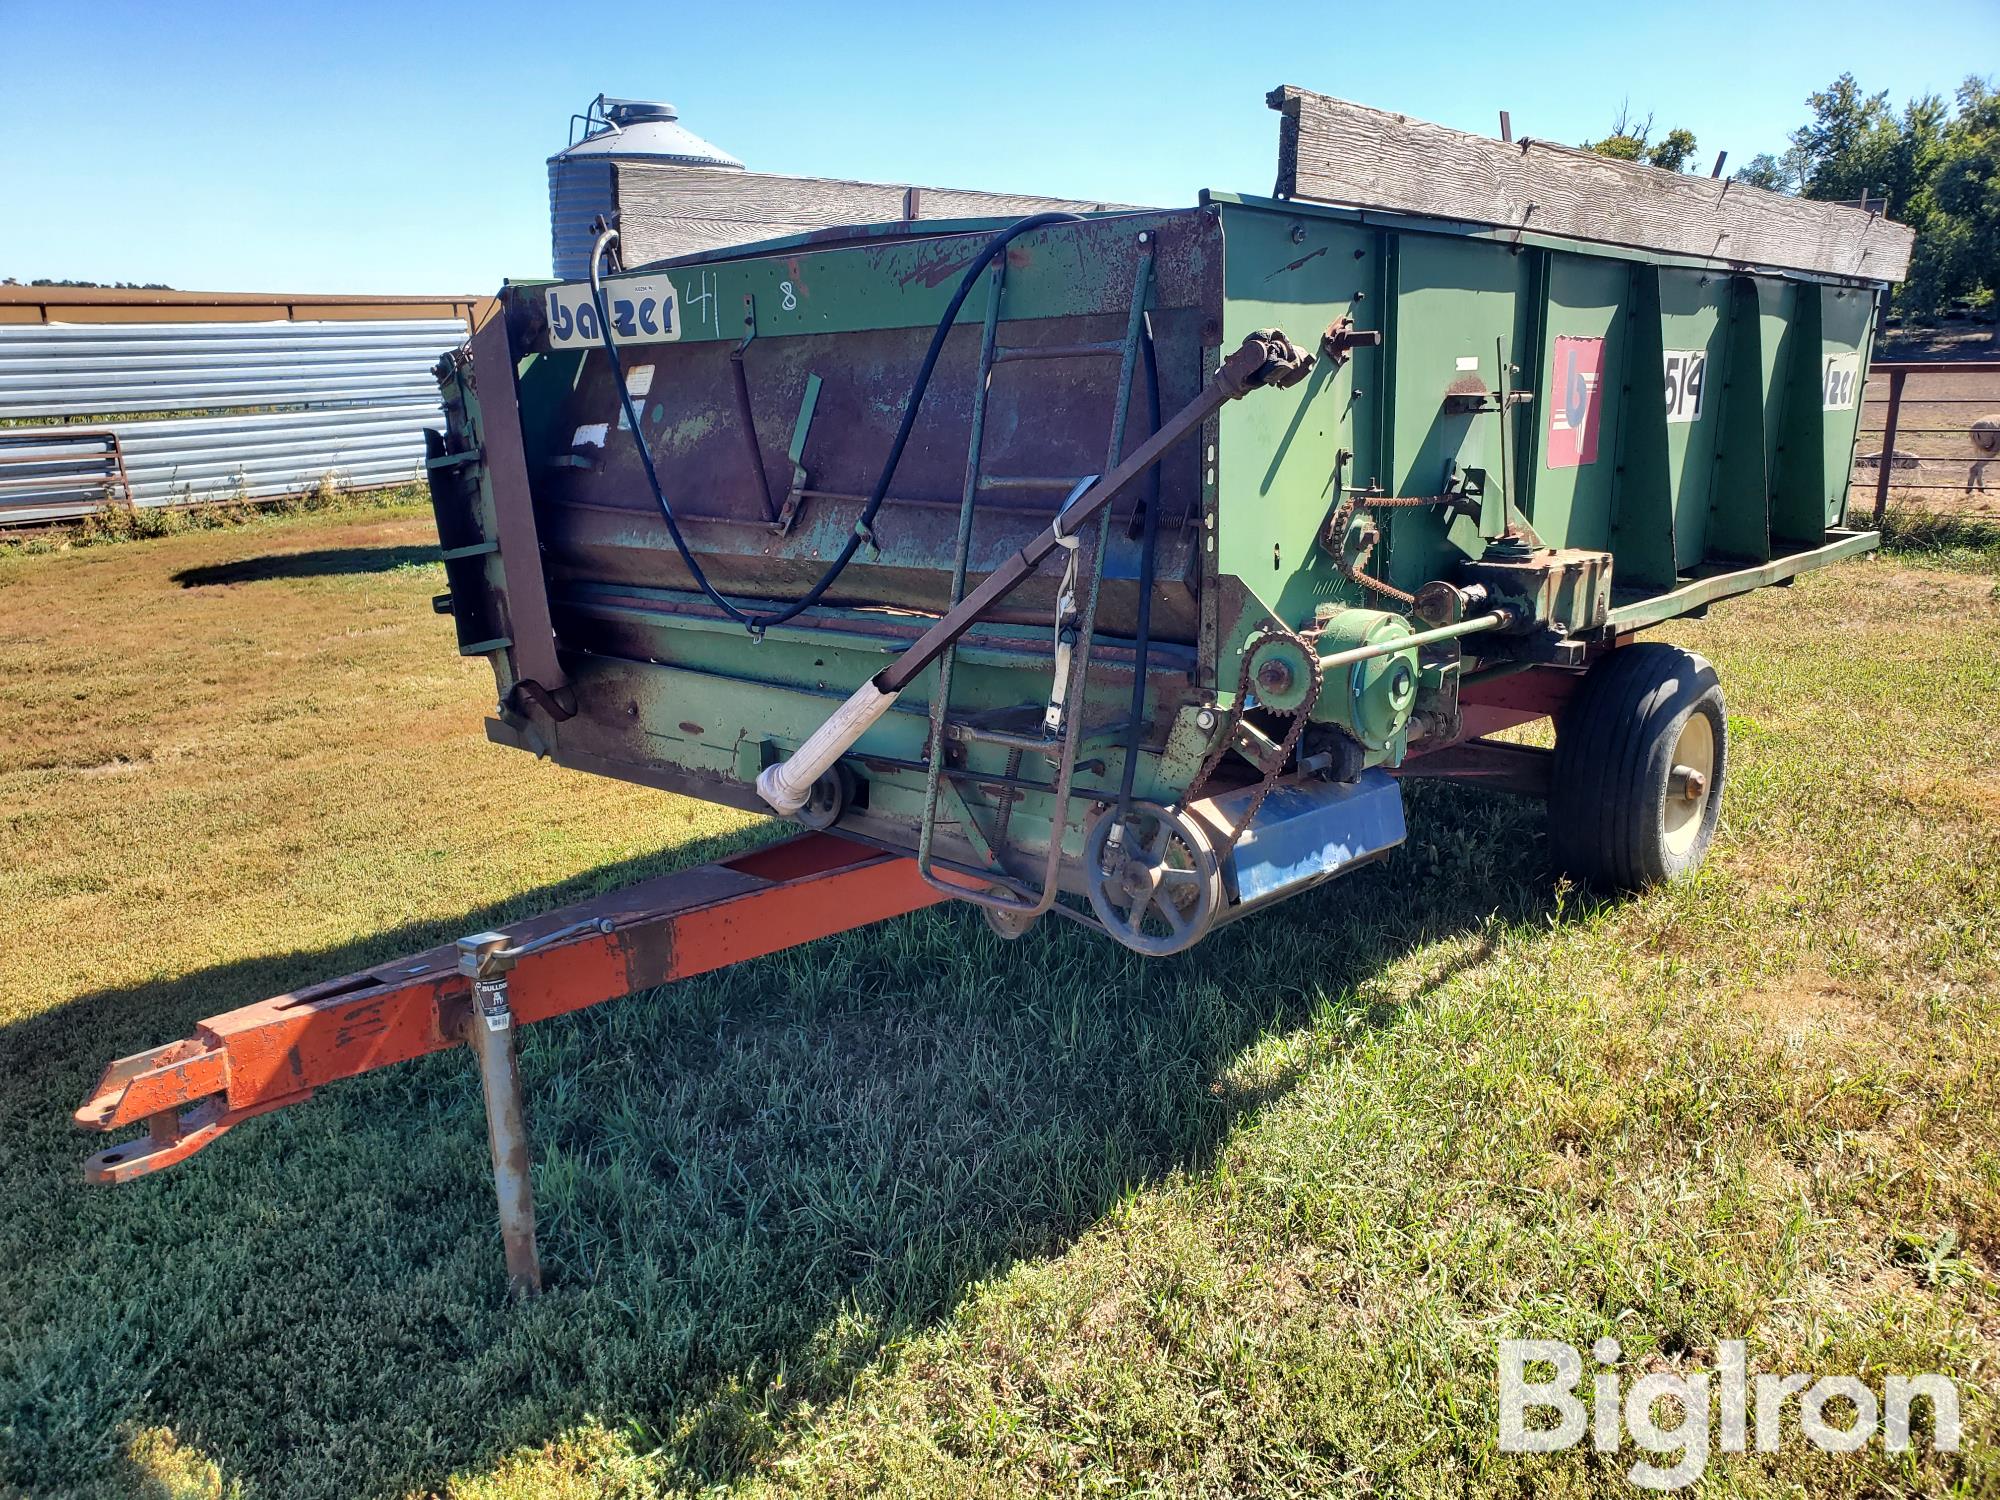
918, 1211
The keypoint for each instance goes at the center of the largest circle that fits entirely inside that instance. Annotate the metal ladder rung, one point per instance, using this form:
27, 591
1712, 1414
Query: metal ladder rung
1031, 481
1060, 351
1019, 729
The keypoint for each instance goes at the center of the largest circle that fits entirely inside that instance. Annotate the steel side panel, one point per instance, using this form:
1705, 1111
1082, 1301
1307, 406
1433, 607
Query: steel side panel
1306, 832
1693, 311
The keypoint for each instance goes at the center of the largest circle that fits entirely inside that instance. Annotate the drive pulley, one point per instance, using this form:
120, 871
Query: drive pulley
1152, 877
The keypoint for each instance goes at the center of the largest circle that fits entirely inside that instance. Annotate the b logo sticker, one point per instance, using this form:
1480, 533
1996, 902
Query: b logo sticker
1576, 407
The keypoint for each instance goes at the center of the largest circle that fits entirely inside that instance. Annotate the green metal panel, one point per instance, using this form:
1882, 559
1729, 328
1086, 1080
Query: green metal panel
1693, 310
1739, 496
1847, 330
1456, 303
1275, 455
1571, 505
1642, 522
1798, 479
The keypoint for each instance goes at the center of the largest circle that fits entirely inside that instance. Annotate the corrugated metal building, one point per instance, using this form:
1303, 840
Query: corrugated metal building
170, 398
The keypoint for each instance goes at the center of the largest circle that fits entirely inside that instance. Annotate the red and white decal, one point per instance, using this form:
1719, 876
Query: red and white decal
1576, 402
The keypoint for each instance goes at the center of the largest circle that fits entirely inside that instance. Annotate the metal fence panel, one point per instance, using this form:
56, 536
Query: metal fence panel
273, 408
1929, 440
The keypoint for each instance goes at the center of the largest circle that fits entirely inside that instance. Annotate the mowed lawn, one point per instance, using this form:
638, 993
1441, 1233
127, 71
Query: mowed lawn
913, 1210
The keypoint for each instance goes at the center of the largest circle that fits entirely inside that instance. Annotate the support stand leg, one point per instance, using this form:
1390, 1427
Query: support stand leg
491, 1031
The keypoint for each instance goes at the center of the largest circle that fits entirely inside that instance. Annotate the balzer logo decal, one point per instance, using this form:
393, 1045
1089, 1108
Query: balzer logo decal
643, 311
1576, 402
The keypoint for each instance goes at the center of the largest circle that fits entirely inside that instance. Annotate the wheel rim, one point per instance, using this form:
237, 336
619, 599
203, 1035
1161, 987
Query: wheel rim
1690, 784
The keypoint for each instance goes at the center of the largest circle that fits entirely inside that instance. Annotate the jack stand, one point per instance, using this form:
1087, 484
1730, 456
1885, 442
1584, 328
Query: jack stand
486, 959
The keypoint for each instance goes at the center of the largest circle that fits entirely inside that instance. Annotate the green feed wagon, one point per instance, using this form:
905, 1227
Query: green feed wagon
1124, 565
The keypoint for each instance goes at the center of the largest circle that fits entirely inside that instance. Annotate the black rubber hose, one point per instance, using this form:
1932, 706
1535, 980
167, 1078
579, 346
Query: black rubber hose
1149, 535
760, 622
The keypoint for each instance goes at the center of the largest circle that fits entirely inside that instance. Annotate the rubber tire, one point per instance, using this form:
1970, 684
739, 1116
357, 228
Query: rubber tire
1614, 758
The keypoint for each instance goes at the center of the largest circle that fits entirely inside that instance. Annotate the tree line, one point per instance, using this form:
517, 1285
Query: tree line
1934, 165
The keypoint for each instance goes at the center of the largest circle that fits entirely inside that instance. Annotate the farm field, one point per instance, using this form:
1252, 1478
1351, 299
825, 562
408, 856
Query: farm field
916, 1211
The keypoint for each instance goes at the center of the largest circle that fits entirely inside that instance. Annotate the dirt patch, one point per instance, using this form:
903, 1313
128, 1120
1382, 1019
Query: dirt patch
1951, 592
1937, 464
1809, 1002
1976, 797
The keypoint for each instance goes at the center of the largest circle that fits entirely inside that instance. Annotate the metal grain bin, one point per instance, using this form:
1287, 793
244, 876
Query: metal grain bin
583, 177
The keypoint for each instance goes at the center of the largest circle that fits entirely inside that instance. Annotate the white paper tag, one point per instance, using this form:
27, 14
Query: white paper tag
1840, 382
638, 381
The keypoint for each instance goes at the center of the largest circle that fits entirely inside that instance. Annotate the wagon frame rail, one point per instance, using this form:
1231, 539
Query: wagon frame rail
277, 1052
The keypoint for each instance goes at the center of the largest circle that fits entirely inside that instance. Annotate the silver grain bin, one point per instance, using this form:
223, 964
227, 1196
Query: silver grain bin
582, 180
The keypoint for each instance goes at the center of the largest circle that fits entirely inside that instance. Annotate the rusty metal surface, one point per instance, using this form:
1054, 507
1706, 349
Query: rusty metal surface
1522, 769
1503, 702
490, 1031
1047, 419
278, 1051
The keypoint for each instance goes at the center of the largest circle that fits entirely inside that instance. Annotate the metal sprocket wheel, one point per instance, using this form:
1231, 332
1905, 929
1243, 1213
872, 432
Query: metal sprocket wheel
1158, 889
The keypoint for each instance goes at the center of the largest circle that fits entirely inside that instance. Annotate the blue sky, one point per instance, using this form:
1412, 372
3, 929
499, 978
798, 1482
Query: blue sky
377, 147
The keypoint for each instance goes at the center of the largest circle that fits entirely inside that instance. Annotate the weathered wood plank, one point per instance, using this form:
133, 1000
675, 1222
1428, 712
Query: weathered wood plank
665, 209
1332, 151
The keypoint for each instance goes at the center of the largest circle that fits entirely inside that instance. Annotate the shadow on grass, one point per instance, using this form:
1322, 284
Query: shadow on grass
747, 1183
321, 562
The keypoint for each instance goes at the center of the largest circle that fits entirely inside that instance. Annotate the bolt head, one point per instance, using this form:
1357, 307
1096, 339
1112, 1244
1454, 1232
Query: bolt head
1205, 719
1274, 676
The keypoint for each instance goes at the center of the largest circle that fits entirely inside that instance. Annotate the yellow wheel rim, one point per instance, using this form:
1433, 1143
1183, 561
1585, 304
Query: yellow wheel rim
1690, 783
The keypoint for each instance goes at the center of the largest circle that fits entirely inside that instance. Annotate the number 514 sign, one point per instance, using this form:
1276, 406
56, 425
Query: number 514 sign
1687, 378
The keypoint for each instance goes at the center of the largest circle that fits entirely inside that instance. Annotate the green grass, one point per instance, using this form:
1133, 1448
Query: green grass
128, 523
913, 1210
1946, 541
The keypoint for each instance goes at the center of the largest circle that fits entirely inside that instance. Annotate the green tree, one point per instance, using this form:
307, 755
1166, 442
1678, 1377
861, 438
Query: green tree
1957, 211
1776, 174
1673, 151
1631, 140
1934, 166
